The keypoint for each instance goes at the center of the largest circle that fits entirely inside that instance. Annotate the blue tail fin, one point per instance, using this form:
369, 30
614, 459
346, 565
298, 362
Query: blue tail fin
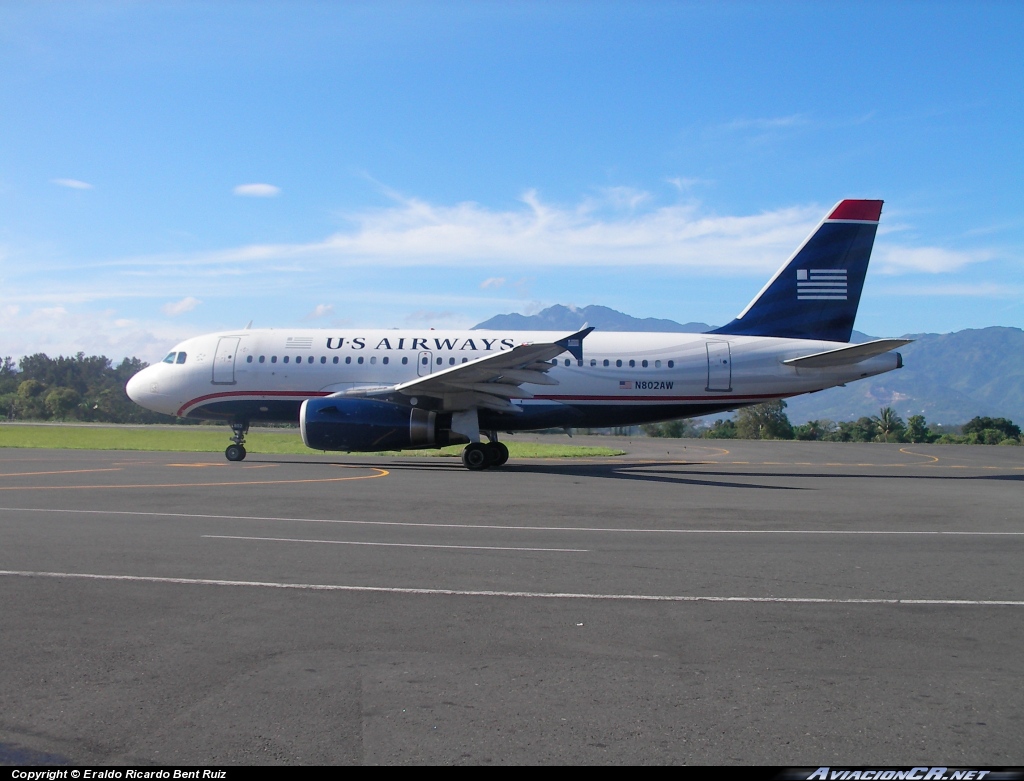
816, 293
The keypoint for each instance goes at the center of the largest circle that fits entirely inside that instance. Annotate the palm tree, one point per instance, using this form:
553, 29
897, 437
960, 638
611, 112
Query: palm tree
887, 422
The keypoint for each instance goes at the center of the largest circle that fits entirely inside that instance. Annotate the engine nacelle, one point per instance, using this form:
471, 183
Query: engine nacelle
366, 424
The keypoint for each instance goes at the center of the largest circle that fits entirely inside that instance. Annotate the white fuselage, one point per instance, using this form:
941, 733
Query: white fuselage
623, 377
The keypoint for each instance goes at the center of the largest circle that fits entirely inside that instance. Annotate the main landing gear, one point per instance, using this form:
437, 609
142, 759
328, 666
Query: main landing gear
481, 455
236, 452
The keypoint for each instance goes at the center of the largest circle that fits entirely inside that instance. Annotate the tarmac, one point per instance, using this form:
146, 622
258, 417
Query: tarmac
756, 603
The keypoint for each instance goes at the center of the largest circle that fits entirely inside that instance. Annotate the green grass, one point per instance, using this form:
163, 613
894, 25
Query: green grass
209, 439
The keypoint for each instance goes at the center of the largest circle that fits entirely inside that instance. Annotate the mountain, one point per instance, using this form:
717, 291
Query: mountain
948, 378
564, 318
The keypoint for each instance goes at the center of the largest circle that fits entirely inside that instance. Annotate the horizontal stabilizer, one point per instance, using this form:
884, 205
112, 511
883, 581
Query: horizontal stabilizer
844, 356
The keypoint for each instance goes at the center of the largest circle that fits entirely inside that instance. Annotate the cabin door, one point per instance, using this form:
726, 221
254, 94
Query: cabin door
224, 360
719, 367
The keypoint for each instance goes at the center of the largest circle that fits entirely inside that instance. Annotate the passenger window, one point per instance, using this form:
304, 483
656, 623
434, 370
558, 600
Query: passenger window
286, 359
451, 361
465, 360
323, 359
657, 364
359, 359
248, 359
618, 363
632, 363
671, 364
566, 361
373, 359
593, 361
424, 361
273, 359
606, 362
384, 359
335, 359
405, 360
644, 364
182, 356
439, 361
348, 359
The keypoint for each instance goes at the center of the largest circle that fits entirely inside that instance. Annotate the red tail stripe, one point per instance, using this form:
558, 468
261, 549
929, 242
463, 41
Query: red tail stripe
869, 211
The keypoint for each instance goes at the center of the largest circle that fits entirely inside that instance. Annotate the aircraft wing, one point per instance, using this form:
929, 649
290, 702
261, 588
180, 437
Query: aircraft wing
492, 381
854, 353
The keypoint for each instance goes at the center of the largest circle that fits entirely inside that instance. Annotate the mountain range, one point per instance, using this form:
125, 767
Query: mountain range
948, 378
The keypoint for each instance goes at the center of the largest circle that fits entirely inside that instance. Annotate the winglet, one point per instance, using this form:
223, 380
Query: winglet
574, 342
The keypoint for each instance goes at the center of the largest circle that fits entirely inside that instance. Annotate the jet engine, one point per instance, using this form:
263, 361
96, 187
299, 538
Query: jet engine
332, 423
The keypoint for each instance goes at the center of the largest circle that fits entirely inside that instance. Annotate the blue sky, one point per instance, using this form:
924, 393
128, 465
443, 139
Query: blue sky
169, 169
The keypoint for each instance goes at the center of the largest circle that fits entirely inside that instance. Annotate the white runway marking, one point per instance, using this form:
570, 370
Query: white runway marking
515, 594
609, 529
396, 544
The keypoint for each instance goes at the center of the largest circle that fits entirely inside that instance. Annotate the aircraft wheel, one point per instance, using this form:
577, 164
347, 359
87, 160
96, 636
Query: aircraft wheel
234, 453
499, 453
476, 456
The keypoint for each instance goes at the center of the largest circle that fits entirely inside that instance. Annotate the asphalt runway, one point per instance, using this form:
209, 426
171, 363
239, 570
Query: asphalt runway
754, 603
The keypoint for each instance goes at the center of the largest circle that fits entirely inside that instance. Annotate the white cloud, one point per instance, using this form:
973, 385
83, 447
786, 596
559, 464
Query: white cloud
931, 260
960, 290
418, 233
56, 330
538, 235
766, 123
683, 183
257, 190
321, 310
74, 184
426, 317
176, 308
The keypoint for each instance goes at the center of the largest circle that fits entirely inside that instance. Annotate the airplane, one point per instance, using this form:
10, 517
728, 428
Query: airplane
370, 390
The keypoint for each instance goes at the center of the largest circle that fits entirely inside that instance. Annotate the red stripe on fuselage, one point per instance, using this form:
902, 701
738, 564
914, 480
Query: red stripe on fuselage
256, 395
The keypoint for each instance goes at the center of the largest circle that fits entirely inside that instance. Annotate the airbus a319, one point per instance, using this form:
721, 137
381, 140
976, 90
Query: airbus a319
370, 390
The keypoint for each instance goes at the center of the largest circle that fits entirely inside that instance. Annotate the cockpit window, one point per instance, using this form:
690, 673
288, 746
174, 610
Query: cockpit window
181, 358
170, 358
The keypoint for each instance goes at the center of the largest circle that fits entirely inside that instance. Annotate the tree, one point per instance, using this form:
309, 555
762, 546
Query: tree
671, 428
917, 430
888, 424
814, 430
764, 421
860, 430
8, 376
1001, 429
60, 401
721, 429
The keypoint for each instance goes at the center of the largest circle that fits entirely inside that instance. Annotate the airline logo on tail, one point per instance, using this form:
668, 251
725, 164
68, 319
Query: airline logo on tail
821, 284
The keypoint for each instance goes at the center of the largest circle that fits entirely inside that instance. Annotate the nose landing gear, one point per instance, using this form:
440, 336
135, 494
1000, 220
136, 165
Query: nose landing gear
236, 452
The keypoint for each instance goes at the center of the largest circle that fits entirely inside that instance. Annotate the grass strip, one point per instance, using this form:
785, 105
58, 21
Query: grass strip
210, 439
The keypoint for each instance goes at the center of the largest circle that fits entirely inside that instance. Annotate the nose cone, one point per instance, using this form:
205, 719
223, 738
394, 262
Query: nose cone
144, 389
136, 387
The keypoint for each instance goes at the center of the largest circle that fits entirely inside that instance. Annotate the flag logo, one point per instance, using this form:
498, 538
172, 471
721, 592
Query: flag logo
625, 385
821, 284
